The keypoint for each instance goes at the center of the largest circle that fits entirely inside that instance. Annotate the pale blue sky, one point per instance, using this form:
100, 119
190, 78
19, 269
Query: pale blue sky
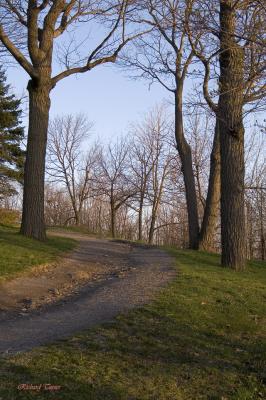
109, 98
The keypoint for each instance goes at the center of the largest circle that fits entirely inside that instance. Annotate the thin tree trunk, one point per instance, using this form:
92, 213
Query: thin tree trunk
143, 188
184, 151
113, 214
140, 218
249, 229
77, 211
33, 224
152, 226
72, 195
211, 210
231, 142
262, 237
77, 218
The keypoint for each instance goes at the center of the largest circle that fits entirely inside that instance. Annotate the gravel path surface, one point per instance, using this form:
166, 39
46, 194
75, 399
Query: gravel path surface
127, 276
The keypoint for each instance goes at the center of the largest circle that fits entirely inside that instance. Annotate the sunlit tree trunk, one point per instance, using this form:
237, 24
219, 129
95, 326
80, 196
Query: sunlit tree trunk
33, 224
231, 141
211, 211
184, 151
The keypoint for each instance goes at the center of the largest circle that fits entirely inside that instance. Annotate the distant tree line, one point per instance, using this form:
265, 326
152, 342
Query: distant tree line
133, 188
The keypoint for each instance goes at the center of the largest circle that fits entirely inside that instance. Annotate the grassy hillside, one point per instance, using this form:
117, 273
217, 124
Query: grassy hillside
202, 338
19, 254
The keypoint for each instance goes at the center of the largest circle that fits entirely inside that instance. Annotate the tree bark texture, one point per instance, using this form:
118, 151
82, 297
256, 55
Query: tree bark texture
211, 210
33, 224
231, 142
184, 151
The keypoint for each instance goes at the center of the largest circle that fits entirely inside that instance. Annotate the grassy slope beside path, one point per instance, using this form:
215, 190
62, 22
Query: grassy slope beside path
203, 338
18, 253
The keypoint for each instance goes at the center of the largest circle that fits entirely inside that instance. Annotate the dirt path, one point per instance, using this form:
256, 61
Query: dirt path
93, 260
99, 280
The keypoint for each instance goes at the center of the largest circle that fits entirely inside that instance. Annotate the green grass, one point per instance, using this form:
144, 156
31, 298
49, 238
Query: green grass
18, 254
202, 338
72, 228
83, 229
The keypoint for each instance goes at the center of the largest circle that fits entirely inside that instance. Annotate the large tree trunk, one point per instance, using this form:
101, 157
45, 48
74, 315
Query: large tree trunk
33, 224
211, 210
231, 142
184, 151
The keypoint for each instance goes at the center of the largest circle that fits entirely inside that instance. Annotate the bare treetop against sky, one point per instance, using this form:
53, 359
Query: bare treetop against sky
100, 92
105, 95
29, 31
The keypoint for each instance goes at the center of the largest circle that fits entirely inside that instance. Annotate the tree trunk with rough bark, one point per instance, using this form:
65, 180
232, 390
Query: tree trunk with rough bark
211, 211
184, 151
231, 141
33, 224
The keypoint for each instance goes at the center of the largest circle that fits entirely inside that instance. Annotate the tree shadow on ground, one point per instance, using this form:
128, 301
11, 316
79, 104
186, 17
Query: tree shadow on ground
106, 364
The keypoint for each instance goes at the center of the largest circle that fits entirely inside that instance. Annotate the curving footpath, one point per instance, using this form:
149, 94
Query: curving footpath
130, 276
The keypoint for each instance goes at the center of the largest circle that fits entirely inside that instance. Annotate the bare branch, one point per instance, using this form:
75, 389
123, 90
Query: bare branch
17, 54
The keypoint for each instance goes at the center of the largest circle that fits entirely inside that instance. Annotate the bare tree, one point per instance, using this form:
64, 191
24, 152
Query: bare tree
30, 31
164, 56
67, 164
140, 167
151, 157
158, 140
255, 190
57, 206
199, 127
112, 178
233, 43
140, 179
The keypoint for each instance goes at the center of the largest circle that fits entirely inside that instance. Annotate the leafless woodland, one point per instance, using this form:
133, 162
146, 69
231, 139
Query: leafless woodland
132, 188
192, 176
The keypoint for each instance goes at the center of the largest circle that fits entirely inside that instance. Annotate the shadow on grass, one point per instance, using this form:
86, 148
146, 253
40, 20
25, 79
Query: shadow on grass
70, 389
178, 348
148, 348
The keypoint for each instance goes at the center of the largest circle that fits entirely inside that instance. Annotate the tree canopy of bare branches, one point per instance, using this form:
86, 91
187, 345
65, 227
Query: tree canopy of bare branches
31, 31
67, 165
